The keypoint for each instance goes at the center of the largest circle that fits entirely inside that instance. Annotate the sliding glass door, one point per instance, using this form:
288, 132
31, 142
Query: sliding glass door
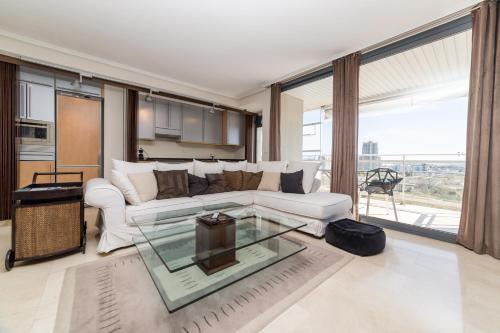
413, 121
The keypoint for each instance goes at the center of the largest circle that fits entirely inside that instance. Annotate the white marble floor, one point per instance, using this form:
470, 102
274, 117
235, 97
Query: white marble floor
415, 285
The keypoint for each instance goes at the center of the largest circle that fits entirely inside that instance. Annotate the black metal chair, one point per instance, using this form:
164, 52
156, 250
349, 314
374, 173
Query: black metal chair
381, 181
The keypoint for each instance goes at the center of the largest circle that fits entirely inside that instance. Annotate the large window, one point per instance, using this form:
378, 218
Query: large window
306, 130
413, 117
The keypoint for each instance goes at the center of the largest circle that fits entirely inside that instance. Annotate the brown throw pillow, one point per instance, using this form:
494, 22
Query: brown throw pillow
216, 183
197, 185
251, 180
234, 180
171, 184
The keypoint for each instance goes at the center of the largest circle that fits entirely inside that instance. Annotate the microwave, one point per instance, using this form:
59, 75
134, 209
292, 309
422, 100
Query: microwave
36, 132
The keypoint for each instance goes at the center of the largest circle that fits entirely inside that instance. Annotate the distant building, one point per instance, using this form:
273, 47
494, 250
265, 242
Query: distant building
369, 158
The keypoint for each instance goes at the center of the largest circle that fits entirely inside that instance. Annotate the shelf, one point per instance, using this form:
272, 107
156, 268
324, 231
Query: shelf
208, 144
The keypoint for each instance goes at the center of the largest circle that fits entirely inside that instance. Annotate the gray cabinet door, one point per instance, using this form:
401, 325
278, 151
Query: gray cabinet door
161, 113
146, 126
21, 94
192, 123
235, 128
40, 102
212, 126
174, 116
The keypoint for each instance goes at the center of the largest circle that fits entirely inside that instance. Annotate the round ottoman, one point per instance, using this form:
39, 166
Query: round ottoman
355, 237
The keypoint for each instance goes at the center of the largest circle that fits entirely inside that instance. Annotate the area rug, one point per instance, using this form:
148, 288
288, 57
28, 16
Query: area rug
118, 295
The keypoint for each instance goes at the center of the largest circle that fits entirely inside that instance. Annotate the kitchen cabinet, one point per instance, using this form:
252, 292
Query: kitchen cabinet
36, 101
235, 128
212, 126
146, 119
192, 123
168, 118
28, 168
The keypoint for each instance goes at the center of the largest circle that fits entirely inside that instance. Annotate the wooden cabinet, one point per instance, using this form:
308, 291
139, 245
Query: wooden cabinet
235, 128
28, 168
36, 101
212, 126
192, 123
146, 119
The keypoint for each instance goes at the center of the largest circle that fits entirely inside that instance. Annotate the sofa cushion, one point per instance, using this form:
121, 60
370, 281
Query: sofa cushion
172, 184
234, 180
123, 183
202, 168
145, 184
234, 166
252, 167
197, 185
176, 166
216, 183
238, 197
272, 166
310, 170
319, 205
251, 180
131, 167
144, 210
292, 182
270, 181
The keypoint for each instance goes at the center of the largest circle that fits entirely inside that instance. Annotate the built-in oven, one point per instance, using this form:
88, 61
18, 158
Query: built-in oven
36, 132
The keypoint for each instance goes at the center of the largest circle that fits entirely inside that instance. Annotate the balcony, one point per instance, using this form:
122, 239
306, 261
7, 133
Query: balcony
429, 196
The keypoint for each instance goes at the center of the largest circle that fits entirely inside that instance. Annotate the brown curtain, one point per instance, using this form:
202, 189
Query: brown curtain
132, 115
480, 220
8, 164
345, 127
250, 138
275, 123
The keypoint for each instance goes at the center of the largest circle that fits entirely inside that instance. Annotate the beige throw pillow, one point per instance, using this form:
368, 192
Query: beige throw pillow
270, 182
145, 185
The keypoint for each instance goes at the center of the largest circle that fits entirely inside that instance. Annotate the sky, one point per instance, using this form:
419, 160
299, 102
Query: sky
438, 127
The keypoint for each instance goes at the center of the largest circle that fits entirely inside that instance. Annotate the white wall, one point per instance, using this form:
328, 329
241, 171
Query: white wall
260, 103
165, 148
50, 55
292, 119
114, 126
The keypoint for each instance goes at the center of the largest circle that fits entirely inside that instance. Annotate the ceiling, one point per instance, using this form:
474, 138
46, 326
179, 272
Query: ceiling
442, 63
233, 48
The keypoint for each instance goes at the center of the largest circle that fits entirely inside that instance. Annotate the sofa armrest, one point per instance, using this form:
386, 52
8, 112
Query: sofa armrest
316, 185
100, 193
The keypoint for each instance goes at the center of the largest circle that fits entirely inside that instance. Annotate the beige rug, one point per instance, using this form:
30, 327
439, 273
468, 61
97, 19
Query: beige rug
118, 295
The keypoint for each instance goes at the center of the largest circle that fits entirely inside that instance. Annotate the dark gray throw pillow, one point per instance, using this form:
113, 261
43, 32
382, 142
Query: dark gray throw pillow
197, 185
292, 182
216, 183
171, 184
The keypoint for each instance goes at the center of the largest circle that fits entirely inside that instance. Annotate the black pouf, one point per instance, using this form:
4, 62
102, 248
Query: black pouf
356, 237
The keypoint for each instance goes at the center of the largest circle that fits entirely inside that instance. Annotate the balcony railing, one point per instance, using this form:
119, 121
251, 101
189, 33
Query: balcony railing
433, 180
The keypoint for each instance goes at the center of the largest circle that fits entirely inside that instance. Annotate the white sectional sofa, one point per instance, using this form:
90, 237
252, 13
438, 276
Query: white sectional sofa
316, 209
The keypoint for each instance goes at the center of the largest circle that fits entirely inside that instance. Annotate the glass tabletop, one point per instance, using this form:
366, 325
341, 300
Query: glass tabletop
180, 240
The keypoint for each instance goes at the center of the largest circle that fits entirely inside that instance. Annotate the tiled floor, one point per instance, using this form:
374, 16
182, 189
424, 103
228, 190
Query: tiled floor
427, 217
415, 285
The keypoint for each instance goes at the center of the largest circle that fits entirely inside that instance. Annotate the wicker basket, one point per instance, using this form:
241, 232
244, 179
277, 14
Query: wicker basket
46, 229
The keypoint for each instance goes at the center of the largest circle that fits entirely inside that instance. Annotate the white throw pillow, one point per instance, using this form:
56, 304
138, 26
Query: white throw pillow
202, 168
310, 171
145, 184
272, 166
234, 166
123, 183
131, 167
252, 167
270, 181
176, 166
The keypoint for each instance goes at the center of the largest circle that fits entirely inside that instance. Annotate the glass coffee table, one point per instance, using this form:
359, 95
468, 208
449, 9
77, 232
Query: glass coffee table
189, 259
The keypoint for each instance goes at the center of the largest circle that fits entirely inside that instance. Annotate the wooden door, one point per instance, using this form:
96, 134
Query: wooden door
28, 168
78, 136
